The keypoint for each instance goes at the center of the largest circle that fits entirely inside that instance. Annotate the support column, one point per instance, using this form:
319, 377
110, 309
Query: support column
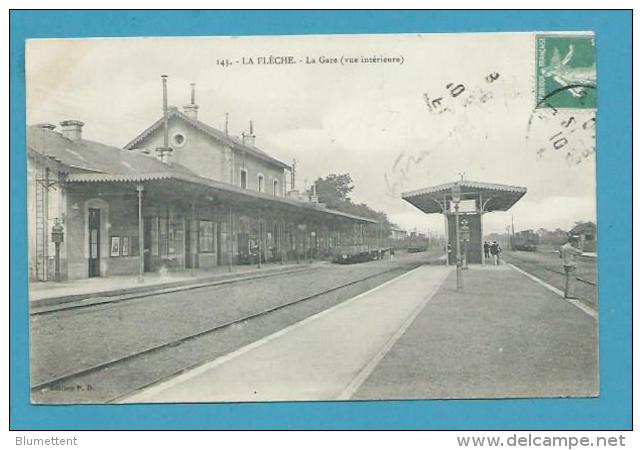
230, 243
259, 243
298, 244
481, 233
185, 224
311, 243
447, 237
141, 235
282, 243
460, 283
194, 238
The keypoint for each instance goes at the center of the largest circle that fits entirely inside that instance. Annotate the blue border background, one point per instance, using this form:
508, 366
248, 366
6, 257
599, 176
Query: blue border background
612, 410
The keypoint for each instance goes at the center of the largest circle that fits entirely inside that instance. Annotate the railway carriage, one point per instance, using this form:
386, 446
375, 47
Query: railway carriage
526, 240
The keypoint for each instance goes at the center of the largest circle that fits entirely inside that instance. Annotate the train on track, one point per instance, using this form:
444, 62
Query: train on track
379, 249
417, 242
352, 254
526, 240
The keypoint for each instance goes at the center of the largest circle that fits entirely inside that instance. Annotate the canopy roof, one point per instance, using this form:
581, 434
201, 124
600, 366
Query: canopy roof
489, 196
89, 162
184, 184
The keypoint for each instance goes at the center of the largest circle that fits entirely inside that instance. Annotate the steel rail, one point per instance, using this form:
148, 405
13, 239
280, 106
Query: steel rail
532, 263
137, 354
164, 291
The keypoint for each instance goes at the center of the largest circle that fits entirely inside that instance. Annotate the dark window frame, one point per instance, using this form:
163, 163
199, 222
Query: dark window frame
260, 182
243, 179
205, 236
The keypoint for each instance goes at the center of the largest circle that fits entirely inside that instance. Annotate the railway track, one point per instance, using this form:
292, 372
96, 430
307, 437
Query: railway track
170, 344
114, 301
534, 266
564, 274
531, 263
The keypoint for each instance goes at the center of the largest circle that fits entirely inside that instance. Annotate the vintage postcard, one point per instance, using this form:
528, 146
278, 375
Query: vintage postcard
301, 218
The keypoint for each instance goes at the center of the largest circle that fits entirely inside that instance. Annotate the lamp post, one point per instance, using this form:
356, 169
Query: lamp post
465, 236
57, 236
456, 198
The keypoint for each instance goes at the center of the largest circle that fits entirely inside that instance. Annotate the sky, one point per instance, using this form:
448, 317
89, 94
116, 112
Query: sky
375, 121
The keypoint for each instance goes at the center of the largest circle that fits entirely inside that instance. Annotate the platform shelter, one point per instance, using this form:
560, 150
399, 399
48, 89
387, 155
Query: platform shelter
465, 202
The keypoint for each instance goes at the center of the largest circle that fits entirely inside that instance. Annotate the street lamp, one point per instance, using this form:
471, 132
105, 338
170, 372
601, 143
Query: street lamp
456, 198
57, 236
464, 230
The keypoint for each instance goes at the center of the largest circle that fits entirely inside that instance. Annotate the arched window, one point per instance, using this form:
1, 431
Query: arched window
275, 187
260, 185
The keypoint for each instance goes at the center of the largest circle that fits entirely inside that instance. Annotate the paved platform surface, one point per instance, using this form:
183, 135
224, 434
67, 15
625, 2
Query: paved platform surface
416, 337
324, 357
43, 294
505, 336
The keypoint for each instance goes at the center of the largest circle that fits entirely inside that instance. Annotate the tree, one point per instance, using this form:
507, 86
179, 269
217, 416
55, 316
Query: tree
334, 189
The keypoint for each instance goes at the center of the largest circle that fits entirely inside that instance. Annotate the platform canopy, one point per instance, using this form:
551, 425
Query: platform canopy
488, 196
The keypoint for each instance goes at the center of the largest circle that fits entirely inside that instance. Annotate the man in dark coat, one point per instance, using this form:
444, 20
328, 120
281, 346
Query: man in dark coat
495, 250
486, 250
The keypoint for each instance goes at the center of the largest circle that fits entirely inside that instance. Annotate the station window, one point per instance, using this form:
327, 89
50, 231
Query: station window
154, 235
206, 236
275, 187
259, 182
244, 178
163, 237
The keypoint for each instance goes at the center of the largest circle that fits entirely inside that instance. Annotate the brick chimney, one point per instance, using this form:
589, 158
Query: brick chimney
72, 129
191, 110
249, 138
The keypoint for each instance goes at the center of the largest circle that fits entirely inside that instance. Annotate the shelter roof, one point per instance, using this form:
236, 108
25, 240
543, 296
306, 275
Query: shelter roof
218, 188
490, 196
92, 162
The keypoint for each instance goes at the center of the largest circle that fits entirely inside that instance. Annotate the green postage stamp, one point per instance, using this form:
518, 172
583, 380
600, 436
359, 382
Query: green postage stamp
565, 71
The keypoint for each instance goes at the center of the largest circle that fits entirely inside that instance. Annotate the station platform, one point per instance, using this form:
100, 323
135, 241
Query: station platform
504, 336
43, 294
414, 337
323, 357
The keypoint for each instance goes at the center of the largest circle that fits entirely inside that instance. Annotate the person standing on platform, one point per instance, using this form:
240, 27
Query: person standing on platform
449, 250
486, 250
495, 250
568, 253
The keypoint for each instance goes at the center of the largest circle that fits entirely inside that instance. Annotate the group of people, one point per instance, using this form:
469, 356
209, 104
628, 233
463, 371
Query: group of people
567, 252
492, 250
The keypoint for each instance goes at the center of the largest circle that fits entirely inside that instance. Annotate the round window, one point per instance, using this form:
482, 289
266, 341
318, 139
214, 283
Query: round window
179, 139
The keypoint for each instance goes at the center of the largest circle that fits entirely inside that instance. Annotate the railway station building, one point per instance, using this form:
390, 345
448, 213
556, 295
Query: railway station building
465, 202
586, 231
180, 195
